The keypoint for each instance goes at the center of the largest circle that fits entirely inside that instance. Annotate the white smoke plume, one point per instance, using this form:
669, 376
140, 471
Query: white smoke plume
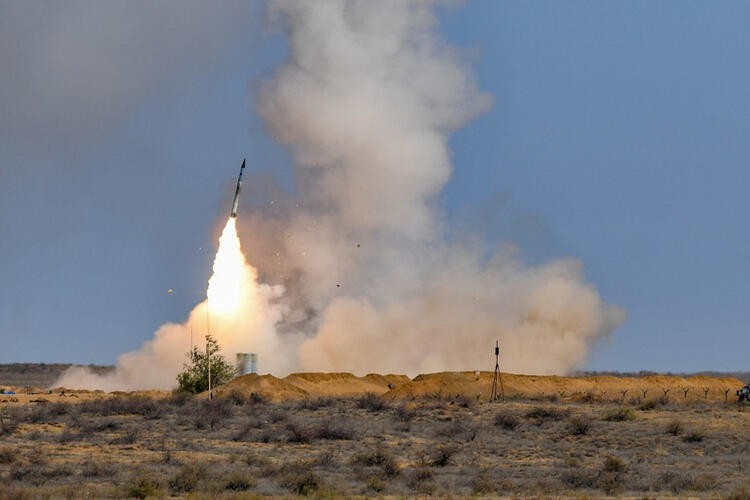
366, 102
360, 275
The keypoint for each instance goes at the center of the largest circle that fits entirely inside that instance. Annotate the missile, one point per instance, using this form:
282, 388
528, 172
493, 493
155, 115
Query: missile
237, 192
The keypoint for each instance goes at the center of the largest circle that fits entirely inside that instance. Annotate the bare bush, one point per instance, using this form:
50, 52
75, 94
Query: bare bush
542, 414
298, 433
442, 455
619, 415
693, 437
371, 402
239, 481
675, 428
315, 403
333, 431
7, 456
579, 425
420, 480
506, 421
380, 457
143, 484
404, 413
187, 478
301, 481
210, 412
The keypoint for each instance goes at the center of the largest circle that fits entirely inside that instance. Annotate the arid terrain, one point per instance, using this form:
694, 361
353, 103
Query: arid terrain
337, 434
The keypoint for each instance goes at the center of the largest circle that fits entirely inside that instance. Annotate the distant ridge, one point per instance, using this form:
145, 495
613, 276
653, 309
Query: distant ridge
39, 374
647, 373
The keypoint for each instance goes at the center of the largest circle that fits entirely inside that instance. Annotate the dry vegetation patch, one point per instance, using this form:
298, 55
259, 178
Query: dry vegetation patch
136, 446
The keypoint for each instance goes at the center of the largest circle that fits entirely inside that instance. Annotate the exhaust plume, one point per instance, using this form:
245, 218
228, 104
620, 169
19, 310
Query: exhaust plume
366, 103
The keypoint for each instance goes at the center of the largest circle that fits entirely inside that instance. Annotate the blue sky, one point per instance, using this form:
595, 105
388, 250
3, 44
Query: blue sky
618, 136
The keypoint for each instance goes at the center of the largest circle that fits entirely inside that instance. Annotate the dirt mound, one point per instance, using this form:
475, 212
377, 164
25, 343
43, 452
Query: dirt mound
266, 386
479, 385
344, 384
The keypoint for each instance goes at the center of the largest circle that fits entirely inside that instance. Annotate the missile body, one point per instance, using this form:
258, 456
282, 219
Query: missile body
237, 192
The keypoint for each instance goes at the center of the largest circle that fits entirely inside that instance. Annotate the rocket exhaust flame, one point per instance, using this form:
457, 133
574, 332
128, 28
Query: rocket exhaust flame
225, 287
242, 319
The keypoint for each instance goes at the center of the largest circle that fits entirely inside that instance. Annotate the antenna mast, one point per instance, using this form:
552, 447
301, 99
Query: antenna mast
498, 376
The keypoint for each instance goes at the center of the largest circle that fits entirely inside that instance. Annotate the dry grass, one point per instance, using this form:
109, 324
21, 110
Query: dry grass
140, 447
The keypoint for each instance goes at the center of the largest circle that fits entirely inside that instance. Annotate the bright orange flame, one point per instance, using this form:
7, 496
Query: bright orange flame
225, 287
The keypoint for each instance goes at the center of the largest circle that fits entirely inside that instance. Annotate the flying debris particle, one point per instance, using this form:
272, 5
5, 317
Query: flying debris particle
170, 290
338, 285
358, 245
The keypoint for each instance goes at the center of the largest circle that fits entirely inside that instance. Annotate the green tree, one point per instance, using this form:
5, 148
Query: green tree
194, 377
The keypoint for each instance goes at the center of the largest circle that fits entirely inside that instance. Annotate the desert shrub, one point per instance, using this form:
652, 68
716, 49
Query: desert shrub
179, 398
246, 429
187, 478
613, 464
129, 437
703, 482
254, 460
651, 404
619, 415
380, 457
740, 493
507, 422
542, 414
404, 414
211, 412
237, 398
579, 425
450, 430
693, 437
143, 485
8, 425
333, 431
7, 456
298, 433
238, 481
371, 402
97, 468
579, 478
301, 482
483, 484
376, 484
610, 482
38, 475
463, 401
325, 459
443, 455
315, 403
675, 481
121, 405
674, 428
420, 480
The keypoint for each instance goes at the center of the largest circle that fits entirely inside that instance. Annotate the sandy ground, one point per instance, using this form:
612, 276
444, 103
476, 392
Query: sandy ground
472, 385
478, 385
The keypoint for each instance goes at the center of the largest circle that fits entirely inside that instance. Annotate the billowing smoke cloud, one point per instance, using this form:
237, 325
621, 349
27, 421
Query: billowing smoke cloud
360, 274
366, 102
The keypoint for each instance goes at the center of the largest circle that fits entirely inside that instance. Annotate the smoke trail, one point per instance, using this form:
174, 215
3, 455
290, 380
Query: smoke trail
238, 312
366, 103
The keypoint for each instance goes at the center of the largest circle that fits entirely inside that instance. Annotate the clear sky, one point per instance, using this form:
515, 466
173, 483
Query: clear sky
618, 135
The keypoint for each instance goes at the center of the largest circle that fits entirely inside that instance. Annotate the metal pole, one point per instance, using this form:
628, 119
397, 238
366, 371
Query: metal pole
208, 360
